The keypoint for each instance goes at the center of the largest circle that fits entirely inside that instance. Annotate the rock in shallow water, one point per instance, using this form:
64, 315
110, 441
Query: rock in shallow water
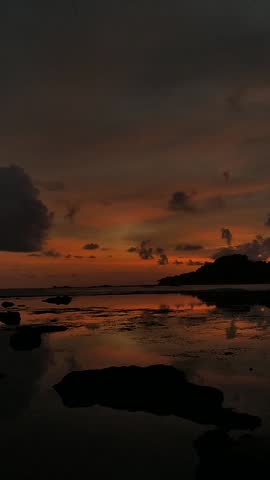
158, 389
10, 318
8, 304
60, 300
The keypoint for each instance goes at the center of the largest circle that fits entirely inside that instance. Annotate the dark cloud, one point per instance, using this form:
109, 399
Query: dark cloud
188, 247
55, 254
145, 250
132, 75
24, 219
51, 185
52, 253
163, 259
91, 246
258, 249
79, 257
132, 249
181, 201
178, 262
226, 235
48, 253
194, 263
72, 212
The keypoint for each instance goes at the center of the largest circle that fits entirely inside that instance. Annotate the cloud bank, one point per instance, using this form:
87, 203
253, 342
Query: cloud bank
24, 219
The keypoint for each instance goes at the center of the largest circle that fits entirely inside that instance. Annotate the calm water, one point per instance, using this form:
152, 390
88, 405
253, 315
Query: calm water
40, 438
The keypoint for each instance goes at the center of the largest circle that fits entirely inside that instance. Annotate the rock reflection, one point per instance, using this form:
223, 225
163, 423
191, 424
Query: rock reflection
222, 457
231, 331
233, 300
28, 337
20, 375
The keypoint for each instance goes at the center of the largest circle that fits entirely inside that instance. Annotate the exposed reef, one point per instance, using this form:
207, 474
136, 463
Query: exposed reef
158, 389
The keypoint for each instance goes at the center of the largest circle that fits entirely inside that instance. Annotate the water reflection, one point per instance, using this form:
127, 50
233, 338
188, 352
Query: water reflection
223, 457
20, 377
215, 342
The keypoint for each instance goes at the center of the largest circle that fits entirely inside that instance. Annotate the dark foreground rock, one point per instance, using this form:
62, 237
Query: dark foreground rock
8, 304
29, 337
60, 300
10, 318
159, 389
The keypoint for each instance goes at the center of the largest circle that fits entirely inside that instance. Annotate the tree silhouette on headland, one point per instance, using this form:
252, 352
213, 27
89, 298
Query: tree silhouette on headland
232, 269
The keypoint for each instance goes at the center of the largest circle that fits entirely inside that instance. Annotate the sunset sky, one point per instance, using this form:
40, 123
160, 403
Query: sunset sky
145, 126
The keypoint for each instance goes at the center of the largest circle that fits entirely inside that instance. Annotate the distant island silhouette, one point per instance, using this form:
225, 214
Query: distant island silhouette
231, 269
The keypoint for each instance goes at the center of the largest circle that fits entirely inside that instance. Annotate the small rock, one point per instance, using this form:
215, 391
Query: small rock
10, 318
60, 300
8, 304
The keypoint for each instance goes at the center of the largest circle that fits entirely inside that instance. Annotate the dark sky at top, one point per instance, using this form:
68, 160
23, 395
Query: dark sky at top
149, 120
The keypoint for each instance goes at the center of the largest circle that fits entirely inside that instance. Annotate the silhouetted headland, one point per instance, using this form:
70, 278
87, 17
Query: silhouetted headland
158, 389
60, 300
232, 269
